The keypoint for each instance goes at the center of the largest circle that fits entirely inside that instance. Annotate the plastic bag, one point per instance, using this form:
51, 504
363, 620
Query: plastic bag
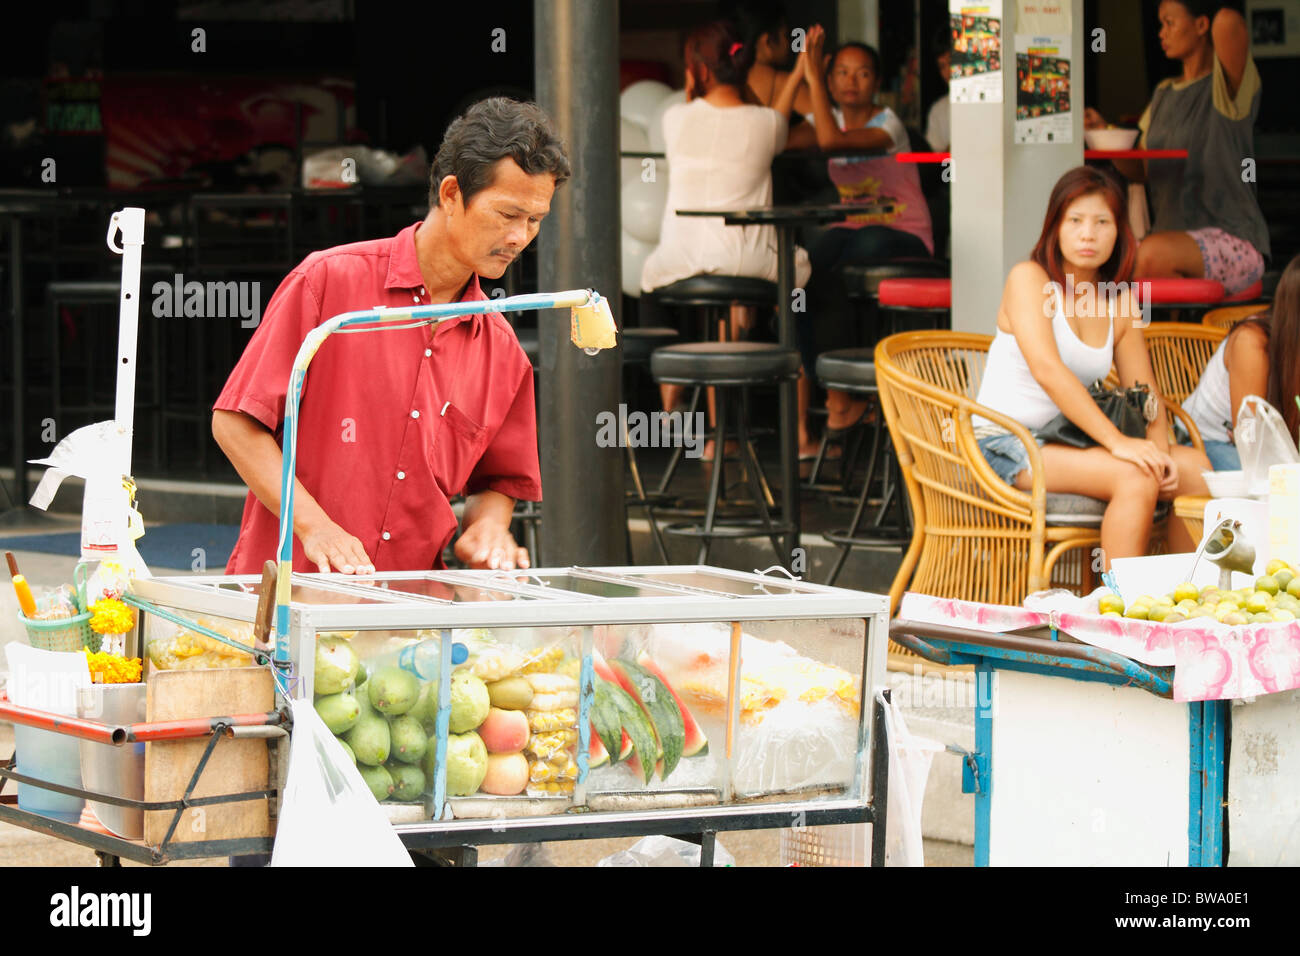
1262, 441
909, 768
666, 851
328, 816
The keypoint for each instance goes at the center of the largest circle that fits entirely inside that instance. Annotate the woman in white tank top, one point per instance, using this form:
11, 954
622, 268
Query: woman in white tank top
1078, 277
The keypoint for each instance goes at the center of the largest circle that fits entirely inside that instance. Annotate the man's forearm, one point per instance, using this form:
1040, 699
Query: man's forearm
490, 506
257, 458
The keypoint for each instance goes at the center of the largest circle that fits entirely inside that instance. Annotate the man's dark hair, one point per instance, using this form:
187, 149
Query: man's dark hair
489, 131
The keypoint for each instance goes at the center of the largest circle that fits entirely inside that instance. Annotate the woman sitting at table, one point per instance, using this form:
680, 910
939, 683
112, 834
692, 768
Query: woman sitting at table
1055, 337
845, 116
1206, 222
763, 27
1258, 357
719, 151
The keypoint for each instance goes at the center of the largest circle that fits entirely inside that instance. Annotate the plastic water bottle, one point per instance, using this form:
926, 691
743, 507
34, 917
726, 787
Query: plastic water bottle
424, 659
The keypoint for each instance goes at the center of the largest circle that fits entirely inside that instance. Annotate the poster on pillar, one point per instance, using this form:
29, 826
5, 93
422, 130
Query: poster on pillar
1043, 89
975, 68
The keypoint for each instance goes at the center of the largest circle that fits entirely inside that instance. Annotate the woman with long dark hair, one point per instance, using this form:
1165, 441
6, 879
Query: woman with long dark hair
1260, 356
1066, 315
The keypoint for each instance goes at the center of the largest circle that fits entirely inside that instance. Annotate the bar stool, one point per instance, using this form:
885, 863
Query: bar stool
929, 299
638, 344
854, 371
732, 368
713, 295
862, 283
1194, 296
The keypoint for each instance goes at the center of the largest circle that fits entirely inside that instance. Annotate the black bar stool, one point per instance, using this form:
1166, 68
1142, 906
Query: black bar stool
713, 295
862, 284
732, 368
854, 371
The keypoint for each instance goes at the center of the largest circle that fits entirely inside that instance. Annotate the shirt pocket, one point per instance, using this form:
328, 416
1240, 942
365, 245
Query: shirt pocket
456, 449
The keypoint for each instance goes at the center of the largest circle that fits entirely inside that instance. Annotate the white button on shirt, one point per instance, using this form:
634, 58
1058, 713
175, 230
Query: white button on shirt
401, 475
428, 353
387, 536
415, 413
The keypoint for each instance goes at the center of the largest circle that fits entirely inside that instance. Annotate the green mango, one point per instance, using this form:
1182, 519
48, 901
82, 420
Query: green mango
379, 780
393, 691
408, 781
409, 741
338, 711
370, 740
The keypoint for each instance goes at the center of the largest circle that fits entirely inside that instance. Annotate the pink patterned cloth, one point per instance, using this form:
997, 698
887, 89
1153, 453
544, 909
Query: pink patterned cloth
1211, 662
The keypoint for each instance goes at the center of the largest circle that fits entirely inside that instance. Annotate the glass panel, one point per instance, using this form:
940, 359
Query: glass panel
800, 703
720, 582
596, 588
444, 590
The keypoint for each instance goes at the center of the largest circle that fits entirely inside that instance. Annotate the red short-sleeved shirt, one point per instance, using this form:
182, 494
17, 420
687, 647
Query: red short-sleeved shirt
391, 424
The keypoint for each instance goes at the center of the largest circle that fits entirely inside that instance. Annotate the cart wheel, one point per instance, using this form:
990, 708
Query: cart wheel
108, 859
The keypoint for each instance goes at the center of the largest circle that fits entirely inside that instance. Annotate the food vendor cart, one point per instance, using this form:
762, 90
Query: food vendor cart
775, 672
487, 707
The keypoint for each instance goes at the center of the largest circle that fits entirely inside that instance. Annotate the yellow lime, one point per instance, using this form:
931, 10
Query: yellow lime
1283, 578
1111, 614
1175, 616
1158, 612
1234, 618
1110, 601
1137, 612
1187, 591
1282, 614
1267, 583
1274, 566
1259, 601
1293, 588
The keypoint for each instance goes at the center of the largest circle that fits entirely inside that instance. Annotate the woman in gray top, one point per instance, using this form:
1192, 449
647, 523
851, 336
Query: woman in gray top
1206, 222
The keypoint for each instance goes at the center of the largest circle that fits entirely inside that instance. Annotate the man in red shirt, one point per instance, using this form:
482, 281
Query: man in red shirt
393, 423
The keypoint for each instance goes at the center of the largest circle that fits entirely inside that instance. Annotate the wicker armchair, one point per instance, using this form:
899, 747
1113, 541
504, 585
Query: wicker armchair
1228, 316
974, 537
1179, 354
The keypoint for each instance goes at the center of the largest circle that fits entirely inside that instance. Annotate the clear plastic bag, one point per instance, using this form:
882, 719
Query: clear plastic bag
328, 816
1262, 441
666, 851
909, 768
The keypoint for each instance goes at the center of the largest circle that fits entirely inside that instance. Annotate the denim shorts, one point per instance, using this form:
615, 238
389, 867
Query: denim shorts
1222, 454
1006, 455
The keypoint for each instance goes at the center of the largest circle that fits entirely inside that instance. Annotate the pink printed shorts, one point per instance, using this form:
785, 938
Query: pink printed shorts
1232, 261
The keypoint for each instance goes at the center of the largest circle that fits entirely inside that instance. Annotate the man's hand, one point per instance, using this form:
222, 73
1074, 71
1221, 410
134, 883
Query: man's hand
488, 545
485, 540
329, 545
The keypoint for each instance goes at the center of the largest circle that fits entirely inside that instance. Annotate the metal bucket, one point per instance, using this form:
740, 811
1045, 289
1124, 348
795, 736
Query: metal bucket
116, 771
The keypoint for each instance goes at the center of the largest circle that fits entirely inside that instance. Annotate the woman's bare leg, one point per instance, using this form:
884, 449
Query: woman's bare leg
1095, 472
1169, 255
1190, 464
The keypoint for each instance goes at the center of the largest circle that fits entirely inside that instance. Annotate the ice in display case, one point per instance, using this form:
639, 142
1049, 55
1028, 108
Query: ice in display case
502, 695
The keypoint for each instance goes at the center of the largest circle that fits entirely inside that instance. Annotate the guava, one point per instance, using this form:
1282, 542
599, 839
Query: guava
470, 702
466, 764
336, 665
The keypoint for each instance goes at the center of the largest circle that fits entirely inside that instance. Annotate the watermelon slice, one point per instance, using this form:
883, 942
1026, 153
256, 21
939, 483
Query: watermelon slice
606, 721
625, 747
662, 709
697, 745
597, 753
637, 726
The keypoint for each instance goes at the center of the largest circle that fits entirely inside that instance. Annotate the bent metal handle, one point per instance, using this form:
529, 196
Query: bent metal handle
592, 328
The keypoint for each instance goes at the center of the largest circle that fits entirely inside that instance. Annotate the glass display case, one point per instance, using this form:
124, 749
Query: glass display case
470, 698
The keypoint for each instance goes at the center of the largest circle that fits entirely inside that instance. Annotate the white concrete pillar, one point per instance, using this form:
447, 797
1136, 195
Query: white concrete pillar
999, 188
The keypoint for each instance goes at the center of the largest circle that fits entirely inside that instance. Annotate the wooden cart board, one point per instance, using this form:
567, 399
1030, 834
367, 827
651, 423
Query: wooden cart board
236, 766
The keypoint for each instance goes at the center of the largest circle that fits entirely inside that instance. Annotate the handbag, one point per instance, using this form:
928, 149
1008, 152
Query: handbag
1130, 410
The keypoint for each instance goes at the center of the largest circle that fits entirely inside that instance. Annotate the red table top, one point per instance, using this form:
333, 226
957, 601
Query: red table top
1087, 154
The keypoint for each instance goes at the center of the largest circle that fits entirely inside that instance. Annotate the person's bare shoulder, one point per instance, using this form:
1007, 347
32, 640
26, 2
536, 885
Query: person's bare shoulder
1246, 337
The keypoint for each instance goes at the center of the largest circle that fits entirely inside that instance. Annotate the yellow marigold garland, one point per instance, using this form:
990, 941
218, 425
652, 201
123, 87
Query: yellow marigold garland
111, 616
113, 668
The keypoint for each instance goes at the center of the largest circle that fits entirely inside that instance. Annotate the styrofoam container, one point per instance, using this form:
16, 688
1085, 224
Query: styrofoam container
1110, 138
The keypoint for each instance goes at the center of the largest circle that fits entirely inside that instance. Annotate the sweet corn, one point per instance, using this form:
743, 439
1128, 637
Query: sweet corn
544, 720
542, 659
551, 787
496, 663
561, 701
551, 683
542, 772
545, 745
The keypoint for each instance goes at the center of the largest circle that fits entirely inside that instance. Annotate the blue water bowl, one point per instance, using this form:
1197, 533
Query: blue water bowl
55, 758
